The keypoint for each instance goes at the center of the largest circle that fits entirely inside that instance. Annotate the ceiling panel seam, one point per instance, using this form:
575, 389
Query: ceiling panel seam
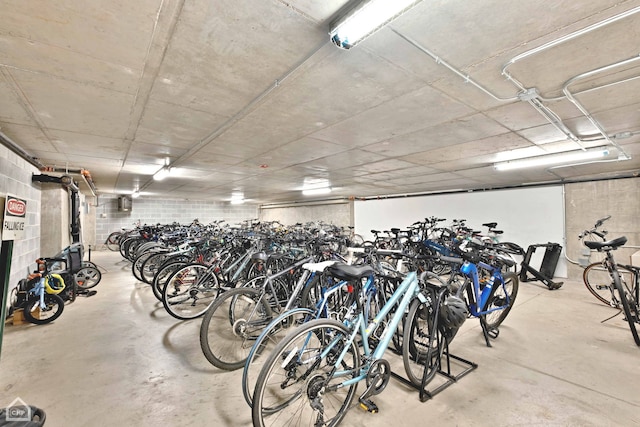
26, 105
160, 37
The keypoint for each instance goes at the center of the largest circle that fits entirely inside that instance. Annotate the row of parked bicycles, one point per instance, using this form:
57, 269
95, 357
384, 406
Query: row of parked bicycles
308, 312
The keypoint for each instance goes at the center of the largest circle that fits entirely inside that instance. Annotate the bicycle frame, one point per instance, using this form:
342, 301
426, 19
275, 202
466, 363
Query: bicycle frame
400, 300
481, 297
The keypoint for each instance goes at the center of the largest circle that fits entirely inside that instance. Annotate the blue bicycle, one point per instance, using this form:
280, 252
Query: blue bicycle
488, 289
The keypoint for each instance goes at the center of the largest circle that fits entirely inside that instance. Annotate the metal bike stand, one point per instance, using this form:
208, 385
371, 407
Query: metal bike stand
449, 377
548, 267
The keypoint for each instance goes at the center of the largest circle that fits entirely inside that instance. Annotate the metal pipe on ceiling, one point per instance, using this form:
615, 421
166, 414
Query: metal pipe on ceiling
450, 67
536, 100
85, 174
568, 37
583, 110
11, 145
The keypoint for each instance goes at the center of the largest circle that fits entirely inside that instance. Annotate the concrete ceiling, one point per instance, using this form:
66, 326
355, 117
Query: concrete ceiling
252, 97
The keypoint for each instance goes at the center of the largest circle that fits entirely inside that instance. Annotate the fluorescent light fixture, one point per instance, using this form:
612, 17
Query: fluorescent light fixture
552, 159
365, 19
316, 191
162, 173
237, 198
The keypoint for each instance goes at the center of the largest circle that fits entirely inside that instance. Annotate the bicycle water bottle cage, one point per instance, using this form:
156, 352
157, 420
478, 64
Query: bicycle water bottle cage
613, 244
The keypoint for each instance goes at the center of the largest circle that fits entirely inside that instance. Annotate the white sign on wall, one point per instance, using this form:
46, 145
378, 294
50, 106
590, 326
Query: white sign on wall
15, 218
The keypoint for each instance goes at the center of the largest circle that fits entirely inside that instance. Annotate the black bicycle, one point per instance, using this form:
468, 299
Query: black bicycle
624, 293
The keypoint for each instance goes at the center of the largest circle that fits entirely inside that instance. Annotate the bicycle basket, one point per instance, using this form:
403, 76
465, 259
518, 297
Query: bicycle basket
53, 284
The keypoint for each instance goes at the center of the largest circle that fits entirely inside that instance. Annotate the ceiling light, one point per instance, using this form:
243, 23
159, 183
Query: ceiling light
365, 19
316, 191
237, 198
162, 173
135, 194
552, 159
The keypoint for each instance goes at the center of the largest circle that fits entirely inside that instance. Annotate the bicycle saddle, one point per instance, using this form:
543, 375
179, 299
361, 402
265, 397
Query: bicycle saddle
350, 272
615, 243
490, 224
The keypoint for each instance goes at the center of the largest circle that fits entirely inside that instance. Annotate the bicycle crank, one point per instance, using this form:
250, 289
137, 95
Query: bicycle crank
377, 378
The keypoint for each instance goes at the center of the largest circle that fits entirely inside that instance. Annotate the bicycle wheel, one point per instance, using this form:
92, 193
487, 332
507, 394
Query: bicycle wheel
629, 304
88, 277
299, 382
503, 296
266, 342
190, 291
136, 266
54, 305
599, 282
162, 276
113, 241
231, 326
424, 343
151, 266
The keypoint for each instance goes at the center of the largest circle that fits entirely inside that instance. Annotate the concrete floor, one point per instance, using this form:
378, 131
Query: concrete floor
118, 359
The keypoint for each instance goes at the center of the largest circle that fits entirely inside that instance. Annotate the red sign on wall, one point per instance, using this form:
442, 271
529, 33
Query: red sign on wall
14, 221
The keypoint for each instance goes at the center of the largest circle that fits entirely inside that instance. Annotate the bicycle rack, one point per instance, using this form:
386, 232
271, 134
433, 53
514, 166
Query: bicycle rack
548, 267
447, 377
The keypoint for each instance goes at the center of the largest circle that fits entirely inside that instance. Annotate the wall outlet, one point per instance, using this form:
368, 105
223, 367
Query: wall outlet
103, 215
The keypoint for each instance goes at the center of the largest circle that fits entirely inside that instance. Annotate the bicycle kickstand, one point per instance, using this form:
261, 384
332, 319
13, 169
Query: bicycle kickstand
488, 332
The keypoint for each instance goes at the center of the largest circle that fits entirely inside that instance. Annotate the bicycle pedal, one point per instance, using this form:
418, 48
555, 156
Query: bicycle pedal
368, 406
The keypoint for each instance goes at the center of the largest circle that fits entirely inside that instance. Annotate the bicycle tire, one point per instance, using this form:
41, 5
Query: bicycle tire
231, 326
54, 307
274, 397
599, 282
511, 284
136, 265
630, 308
190, 291
266, 342
151, 265
112, 241
423, 342
161, 277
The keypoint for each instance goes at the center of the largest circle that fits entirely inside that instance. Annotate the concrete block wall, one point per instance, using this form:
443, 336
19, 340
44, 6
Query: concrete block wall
148, 211
15, 179
337, 214
587, 202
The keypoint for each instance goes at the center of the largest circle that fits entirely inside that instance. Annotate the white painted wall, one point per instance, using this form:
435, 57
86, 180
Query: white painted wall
527, 216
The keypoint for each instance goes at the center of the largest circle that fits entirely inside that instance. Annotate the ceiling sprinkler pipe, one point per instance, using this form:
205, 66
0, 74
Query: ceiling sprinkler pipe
583, 110
8, 142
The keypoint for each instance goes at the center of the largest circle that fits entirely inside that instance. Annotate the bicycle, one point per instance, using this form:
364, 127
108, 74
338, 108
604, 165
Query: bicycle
38, 295
596, 277
235, 320
312, 375
623, 293
488, 290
